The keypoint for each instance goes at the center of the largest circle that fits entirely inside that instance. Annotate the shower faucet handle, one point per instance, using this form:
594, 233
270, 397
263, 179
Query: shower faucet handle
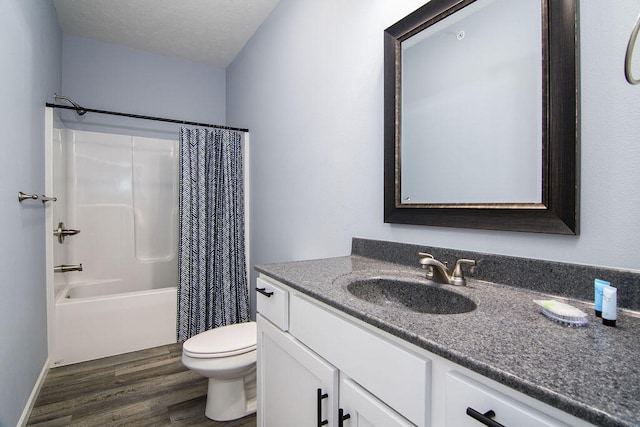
61, 232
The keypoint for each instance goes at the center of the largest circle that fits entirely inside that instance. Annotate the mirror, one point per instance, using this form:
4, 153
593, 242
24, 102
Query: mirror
481, 121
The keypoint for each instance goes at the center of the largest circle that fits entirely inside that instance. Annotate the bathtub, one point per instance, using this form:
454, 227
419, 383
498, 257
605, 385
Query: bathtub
91, 321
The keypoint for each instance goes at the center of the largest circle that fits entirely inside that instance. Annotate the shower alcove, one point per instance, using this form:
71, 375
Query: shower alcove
121, 192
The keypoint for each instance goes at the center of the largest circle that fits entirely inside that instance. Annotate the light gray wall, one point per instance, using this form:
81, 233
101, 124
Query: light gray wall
115, 78
30, 51
309, 85
97, 75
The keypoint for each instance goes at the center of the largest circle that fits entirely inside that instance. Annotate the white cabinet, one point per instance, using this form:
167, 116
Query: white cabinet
370, 378
296, 388
396, 376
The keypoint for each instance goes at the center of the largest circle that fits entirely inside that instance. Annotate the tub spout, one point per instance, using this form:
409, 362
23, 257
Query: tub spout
67, 268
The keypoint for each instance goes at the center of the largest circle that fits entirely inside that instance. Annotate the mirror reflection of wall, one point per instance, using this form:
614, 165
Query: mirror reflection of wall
472, 114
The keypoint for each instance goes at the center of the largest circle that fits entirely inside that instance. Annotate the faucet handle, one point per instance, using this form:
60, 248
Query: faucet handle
457, 277
423, 256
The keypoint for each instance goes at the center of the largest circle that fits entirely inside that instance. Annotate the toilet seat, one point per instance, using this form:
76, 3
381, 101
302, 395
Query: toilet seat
225, 341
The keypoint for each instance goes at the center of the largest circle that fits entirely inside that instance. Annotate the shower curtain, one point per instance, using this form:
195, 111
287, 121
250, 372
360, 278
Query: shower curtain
212, 281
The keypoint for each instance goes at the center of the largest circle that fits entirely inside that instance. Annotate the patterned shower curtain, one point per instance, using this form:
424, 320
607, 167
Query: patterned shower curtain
212, 281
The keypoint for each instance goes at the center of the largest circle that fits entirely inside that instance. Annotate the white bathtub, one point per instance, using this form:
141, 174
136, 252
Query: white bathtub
93, 322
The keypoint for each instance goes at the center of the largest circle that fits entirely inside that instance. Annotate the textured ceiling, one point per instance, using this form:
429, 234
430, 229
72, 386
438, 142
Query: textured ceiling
207, 31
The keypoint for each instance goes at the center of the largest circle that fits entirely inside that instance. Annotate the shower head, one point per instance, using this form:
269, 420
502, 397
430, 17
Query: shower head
81, 111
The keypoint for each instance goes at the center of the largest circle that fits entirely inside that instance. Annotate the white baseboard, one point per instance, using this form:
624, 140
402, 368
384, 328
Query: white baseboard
24, 418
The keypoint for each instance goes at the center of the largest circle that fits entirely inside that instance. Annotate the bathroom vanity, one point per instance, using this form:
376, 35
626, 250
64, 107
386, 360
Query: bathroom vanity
329, 357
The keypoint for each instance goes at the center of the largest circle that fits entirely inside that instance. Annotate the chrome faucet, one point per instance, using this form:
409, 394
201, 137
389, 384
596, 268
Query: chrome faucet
439, 273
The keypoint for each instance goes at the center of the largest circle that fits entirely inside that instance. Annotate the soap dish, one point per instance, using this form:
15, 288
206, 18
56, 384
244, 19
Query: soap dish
563, 313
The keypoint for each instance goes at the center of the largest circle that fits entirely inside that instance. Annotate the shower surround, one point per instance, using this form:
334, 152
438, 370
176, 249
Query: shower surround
121, 193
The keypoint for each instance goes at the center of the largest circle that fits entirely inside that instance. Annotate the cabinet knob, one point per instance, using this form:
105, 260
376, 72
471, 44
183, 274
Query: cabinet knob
321, 396
342, 417
486, 418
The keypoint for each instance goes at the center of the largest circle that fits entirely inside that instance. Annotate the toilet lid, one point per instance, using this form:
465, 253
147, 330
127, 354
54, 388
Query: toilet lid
224, 341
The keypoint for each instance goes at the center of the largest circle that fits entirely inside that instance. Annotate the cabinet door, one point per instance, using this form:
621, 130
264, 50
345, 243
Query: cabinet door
289, 377
358, 408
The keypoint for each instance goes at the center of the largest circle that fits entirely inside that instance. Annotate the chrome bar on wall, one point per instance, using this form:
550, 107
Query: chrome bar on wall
23, 196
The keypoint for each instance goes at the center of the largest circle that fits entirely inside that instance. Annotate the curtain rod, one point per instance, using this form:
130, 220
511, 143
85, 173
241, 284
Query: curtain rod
138, 116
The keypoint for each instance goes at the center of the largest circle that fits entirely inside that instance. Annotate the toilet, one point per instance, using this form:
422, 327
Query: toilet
227, 356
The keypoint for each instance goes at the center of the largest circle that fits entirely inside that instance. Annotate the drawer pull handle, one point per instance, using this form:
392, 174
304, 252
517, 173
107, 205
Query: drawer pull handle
486, 418
342, 417
321, 396
264, 292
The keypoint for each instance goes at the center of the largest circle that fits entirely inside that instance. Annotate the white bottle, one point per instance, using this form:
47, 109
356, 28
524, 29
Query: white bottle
609, 305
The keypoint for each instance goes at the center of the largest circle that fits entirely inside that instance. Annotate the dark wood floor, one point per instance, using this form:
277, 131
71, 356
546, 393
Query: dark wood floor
145, 388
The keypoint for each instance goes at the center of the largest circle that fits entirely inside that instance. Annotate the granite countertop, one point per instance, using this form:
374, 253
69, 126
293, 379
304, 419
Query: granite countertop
591, 372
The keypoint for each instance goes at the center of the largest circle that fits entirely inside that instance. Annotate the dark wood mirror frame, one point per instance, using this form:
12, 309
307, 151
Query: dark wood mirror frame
558, 212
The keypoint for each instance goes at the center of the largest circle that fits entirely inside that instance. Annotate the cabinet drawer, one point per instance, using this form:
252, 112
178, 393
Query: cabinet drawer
273, 302
463, 392
394, 375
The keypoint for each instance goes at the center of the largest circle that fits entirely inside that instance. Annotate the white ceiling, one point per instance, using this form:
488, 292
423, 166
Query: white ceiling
207, 31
